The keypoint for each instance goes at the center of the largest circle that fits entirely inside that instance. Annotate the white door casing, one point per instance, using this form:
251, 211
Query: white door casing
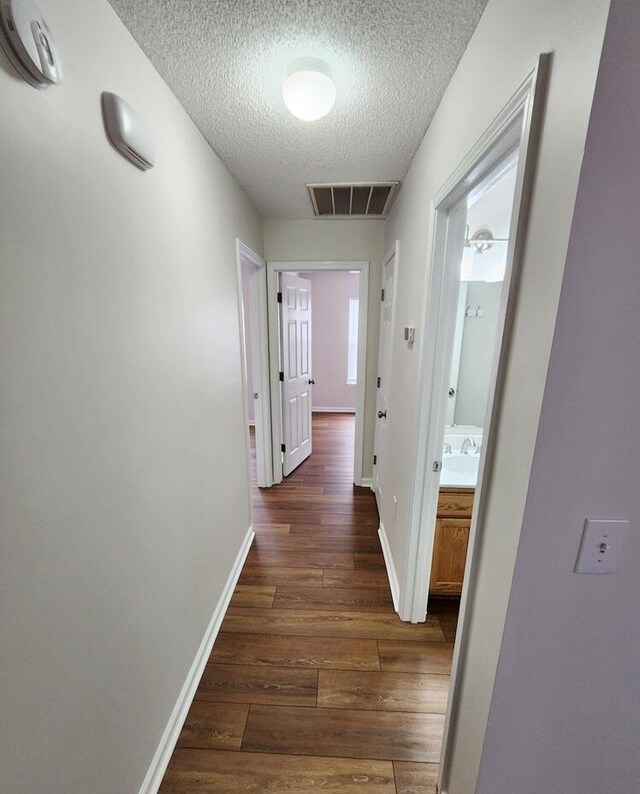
384, 374
254, 303
295, 362
274, 270
516, 127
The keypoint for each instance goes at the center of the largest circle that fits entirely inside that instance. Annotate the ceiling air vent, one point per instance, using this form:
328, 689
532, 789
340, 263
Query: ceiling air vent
352, 200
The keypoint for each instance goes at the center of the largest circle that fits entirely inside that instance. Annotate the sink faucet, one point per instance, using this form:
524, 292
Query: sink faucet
447, 448
467, 444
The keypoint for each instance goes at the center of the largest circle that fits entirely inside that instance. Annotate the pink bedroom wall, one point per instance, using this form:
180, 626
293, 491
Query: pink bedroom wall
331, 291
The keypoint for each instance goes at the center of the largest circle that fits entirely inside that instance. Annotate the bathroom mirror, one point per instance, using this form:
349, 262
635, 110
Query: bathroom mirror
482, 275
474, 346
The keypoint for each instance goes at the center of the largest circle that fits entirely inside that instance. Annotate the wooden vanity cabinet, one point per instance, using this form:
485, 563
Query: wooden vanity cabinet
453, 523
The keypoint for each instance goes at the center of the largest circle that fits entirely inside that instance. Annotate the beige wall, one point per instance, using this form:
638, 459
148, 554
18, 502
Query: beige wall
564, 710
337, 240
504, 47
124, 486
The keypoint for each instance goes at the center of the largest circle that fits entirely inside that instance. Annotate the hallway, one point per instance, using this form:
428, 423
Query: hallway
313, 682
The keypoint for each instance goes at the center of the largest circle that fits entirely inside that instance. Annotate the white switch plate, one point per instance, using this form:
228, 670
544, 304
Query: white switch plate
601, 546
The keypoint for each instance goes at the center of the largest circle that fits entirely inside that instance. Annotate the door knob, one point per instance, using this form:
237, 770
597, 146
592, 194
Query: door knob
311, 382
382, 414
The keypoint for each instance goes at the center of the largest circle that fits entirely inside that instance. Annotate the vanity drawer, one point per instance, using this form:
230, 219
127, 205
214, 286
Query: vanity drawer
455, 503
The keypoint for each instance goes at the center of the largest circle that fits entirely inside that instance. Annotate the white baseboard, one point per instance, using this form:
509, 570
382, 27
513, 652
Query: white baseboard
162, 756
391, 568
315, 410
367, 482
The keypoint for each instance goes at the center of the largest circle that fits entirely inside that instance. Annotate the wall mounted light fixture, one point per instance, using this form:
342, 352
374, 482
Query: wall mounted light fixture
479, 261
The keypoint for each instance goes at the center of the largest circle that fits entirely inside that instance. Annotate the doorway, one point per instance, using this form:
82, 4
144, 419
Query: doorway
506, 151
291, 407
252, 296
476, 345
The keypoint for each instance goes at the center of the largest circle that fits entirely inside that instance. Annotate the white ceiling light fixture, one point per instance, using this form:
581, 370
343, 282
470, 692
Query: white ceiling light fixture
309, 91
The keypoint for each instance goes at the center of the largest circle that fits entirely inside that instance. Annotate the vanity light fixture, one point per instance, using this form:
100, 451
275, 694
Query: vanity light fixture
482, 240
479, 263
309, 91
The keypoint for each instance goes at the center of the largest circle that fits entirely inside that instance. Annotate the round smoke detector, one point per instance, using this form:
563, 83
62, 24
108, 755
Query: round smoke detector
28, 43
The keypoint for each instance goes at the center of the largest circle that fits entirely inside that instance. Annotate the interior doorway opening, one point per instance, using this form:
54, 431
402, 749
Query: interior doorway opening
476, 342
503, 159
252, 298
317, 346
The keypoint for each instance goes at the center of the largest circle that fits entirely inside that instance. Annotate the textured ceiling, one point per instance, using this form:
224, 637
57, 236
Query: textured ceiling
225, 60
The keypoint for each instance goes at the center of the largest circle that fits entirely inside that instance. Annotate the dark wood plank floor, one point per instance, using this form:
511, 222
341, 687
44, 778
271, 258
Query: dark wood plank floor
314, 683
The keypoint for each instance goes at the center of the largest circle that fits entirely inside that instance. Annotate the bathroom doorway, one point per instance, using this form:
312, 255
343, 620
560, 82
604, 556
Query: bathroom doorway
476, 345
465, 260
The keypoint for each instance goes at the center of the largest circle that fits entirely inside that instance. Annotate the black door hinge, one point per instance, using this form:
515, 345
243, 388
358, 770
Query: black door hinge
375, 459
283, 448
279, 297
281, 375
382, 295
379, 382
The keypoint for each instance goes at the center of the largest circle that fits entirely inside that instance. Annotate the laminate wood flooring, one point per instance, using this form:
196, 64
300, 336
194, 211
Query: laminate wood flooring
314, 683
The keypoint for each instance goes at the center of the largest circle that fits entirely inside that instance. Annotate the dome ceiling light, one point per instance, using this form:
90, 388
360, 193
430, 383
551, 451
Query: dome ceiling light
309, 91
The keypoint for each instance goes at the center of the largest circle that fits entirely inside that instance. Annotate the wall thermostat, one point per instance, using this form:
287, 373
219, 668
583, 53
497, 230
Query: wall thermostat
27, 40
128, 131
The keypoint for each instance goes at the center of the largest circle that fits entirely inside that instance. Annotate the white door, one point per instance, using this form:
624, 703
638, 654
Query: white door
295, 373
384, 375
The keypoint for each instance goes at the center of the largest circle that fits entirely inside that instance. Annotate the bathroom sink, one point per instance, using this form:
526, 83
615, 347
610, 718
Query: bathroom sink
458, 469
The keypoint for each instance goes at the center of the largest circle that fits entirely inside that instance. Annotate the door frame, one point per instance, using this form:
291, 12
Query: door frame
245, 256
273, 271
517, 126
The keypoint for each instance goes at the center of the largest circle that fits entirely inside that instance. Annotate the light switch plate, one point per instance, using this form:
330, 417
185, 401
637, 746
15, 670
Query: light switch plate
601, 546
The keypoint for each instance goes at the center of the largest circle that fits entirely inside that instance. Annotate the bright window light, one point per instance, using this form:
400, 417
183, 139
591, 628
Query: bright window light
352, 350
